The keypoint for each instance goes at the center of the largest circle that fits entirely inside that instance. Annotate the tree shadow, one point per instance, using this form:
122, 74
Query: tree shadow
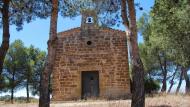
161, 106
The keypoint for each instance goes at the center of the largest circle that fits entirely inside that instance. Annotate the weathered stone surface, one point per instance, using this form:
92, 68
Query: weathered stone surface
99, 49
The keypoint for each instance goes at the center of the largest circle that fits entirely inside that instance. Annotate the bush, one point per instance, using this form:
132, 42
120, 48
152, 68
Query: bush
151, 86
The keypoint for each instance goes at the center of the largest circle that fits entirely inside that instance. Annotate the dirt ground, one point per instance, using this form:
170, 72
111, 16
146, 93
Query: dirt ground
158, 101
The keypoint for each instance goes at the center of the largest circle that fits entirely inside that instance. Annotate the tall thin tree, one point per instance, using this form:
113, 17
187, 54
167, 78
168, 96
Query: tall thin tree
13, 67
138, 96
44, 100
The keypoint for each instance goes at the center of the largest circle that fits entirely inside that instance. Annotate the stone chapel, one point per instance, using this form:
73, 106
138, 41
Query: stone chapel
91, 62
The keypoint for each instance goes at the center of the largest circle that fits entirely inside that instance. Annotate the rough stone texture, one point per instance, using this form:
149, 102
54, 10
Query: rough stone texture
107, 54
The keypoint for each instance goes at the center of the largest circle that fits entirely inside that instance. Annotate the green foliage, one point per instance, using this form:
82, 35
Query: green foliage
23, 66
107, 10
148, 58
166, 37
170, 20
151, 86
13, 65
3, 84
26, 10
35, 66
22, 11
153, 53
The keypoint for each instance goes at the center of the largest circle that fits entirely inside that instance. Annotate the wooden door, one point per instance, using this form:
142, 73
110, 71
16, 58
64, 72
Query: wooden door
90, 84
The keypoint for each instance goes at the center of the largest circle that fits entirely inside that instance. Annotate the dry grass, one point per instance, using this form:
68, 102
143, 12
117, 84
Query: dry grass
168, 101
156, 101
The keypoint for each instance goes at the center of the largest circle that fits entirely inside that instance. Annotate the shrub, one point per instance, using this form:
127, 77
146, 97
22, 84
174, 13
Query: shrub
151, 86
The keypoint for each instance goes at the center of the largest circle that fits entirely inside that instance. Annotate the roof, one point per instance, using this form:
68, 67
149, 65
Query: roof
78, 29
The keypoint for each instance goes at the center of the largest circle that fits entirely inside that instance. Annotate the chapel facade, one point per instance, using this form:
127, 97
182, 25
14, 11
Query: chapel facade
91, 62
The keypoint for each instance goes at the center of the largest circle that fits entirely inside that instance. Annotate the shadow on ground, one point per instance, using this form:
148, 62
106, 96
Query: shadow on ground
161, 106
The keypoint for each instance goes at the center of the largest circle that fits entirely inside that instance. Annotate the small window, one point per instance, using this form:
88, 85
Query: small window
89, 43
89, 20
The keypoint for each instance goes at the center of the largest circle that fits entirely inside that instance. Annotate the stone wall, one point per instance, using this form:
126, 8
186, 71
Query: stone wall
103, 50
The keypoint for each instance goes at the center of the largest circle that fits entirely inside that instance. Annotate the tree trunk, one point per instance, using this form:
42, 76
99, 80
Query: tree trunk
164, 82
12, 86
6, 35
187, 86
44, 100
180, 81
27, 91
172, 80
164, 73
138, 95
12, 94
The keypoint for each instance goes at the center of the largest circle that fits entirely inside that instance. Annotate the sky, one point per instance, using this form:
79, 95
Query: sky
37, 32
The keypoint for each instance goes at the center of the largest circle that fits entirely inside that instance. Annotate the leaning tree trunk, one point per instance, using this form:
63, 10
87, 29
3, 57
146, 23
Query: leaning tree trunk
187, 86
138, 95
44, 100
180, 81
163, 68
172, 80
6, 35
